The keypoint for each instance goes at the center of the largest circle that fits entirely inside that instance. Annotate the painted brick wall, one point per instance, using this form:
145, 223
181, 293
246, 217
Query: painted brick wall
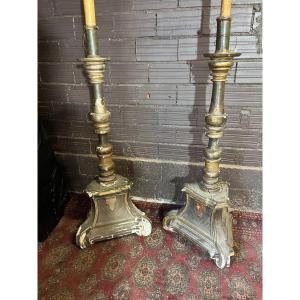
158, 90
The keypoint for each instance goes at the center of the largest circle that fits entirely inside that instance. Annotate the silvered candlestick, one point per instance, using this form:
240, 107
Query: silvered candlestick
205, 219
112, 212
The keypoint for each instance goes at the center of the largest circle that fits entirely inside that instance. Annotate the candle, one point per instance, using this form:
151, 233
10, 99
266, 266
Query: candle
226, 8
89, 12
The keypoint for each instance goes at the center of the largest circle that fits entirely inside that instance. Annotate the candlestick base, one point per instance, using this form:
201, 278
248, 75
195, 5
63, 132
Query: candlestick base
112, 214
205, 220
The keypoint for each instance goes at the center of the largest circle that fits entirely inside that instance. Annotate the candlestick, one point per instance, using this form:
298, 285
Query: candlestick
112, 212
89, 13
226, 8
206, 218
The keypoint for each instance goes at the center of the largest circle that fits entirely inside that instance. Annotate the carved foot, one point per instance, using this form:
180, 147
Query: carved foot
112, 214
206, 221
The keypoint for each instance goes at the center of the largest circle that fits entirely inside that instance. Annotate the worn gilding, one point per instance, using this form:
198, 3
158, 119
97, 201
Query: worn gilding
112, 212
205, 219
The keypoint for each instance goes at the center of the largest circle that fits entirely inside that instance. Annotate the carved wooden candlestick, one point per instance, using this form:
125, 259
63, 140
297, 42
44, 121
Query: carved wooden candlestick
205, 219
112, 213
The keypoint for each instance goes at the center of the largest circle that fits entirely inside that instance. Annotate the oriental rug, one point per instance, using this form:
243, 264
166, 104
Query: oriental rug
160, 266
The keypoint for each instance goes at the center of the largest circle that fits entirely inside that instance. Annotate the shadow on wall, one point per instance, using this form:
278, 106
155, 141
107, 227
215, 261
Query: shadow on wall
194, 173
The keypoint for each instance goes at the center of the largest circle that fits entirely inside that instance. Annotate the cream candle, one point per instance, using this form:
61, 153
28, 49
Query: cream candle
226, 8
89, 13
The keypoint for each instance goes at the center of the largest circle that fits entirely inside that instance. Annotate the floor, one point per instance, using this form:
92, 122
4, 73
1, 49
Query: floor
161, 266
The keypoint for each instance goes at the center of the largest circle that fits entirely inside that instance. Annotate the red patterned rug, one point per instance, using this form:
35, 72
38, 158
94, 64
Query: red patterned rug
161, 266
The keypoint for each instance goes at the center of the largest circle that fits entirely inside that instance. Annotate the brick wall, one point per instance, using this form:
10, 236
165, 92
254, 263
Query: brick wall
158, 90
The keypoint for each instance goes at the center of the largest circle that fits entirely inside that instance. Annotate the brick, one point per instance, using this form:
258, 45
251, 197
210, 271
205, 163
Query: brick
180, 152
71, 51
153, 4
241, 19
145, 94
67, 7
249, 72
194, 153
58, 128
118, 50
77, 182
169, 73
48, 52
156, 50
248, 96
44, 8
88, 165
71, 7
44, 110
117, 132
244, 118
110, 6
67, 163
136, 115
144, 188
138, 24
178, 22
200, 73
195, 3
193, 94
178, 116
116, 116
56, 28
80, 94
70, 111
121, 167
104, 22
146, 150
133, 73
256, 25
52, 93
56, 73
235, 138
144, 170
180, 173
167, 191
242, 157
248, 46
120, 94
191, 22
242, 179
194, 48
70, 145
144, 133
190, 135
156, 94
82, 129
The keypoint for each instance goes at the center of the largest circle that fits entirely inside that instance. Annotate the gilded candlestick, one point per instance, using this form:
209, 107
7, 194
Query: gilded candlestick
112, 212
205, 219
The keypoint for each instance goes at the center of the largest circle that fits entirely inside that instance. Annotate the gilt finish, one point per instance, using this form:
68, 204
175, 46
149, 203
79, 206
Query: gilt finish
205, 219
112, 212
